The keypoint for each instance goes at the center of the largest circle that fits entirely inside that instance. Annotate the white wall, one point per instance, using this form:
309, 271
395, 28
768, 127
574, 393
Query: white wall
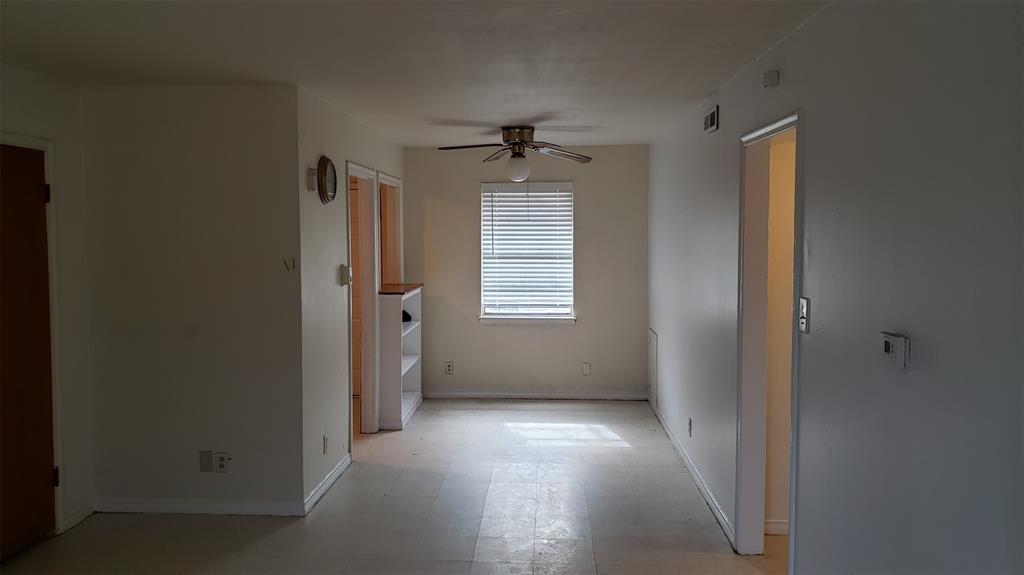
325, 130
40, 107
913, 214
442, 249
196, 337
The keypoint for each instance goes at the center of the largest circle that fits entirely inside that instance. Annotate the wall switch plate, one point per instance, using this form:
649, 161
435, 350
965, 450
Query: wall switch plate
221, 460
344, 275
311, 183
770, 79
898, 347
586, 368
804, 316
449, 368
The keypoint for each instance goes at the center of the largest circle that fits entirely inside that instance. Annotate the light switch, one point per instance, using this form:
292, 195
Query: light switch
311, 183
804, 317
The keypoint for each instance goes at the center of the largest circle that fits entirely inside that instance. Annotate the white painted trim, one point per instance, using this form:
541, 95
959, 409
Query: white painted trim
348, 305
751, 385
200, 506
652, 371
770, 130
389, 179
776, 527
369, 391
60, 521
403, 421
583, 395
702, 486
361, 171
329, 479
752, 389
498, 320
407, 414
72, 519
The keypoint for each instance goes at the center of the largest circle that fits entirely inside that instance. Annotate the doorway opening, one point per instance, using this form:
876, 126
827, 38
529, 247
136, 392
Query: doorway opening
769, 272
362, 226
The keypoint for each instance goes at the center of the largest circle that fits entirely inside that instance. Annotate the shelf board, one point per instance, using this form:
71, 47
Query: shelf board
406, 329
408, 361
399, 289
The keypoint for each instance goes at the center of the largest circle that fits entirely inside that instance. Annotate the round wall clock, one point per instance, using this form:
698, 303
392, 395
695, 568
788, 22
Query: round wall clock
326, 179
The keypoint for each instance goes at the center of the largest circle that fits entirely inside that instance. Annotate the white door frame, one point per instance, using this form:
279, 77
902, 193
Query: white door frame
752, 390
369, 392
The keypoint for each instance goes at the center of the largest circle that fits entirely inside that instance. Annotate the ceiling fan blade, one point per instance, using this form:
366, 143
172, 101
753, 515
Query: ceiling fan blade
497, 155
564, 154
471, 146
536, 144
564, 128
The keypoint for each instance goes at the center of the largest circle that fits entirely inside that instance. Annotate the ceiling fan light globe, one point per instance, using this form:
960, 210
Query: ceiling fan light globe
518, 168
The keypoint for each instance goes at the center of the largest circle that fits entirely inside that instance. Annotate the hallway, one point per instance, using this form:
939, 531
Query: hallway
471, 487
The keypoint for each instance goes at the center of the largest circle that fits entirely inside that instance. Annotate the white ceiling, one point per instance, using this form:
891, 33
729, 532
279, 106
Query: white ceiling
422, 73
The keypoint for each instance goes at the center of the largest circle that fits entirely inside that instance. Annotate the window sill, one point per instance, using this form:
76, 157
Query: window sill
497, 320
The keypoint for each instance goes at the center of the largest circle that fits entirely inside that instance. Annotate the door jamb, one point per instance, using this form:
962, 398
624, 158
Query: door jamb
750, 446
369, 413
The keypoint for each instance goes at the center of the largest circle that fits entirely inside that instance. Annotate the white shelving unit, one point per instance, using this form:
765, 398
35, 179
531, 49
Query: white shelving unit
401, 353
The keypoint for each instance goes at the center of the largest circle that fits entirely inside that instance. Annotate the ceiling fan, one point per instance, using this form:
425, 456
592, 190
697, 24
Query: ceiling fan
518, 139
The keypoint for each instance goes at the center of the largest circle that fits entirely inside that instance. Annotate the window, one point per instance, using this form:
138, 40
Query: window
526, 251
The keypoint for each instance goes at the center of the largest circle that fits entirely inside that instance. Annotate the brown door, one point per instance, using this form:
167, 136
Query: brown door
26, 460
390, 248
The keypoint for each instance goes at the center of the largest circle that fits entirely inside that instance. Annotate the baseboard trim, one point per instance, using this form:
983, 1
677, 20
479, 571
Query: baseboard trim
390, 424
200, 507
702, 486
69, 521
476, 394
328, 480
776, 527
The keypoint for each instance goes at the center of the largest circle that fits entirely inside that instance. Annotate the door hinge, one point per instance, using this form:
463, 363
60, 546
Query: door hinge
46, 193
56, 476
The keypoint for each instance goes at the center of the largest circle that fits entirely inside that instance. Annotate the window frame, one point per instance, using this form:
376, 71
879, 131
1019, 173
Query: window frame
525, 319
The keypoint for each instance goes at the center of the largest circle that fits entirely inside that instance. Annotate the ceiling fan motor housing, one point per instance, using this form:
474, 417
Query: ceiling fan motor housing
512, 134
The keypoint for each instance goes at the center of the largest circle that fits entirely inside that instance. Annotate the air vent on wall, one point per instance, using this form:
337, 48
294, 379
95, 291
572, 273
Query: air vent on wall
711, 120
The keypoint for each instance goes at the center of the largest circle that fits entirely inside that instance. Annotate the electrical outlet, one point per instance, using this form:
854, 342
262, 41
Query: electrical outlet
325, 444
221, 460
449, 368
689, 426
586, 368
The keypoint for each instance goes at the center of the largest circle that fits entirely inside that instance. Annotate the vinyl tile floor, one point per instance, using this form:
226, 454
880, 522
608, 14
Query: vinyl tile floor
470, 487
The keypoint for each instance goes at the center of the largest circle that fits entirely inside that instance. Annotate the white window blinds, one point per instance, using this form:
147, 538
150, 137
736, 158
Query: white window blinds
526, 250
